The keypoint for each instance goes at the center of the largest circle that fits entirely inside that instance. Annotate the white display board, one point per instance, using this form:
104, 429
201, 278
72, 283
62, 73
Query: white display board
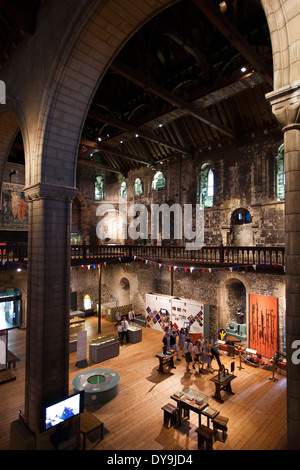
3, 349
162, 309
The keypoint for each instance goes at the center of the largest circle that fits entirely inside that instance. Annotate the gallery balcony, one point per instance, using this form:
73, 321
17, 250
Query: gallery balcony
258, 258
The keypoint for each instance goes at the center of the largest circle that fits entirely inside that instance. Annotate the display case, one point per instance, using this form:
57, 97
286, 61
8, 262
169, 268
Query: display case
194, 397
134, 333
103, 348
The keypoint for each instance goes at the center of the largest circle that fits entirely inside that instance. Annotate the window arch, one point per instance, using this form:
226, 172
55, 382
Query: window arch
138, 187
159, 181
206, 186
99, 188
280, 174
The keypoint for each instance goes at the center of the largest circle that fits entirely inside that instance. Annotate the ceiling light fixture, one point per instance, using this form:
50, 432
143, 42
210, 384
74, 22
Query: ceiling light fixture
223, 7
243, 69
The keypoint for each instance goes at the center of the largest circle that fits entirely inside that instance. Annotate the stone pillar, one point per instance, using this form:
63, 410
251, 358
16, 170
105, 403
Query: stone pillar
286, 105
47, 348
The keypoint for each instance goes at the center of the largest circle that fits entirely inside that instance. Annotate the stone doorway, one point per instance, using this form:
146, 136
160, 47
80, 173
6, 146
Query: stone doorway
235, 309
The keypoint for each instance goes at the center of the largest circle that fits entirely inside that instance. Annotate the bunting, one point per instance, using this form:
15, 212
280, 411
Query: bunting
187, 269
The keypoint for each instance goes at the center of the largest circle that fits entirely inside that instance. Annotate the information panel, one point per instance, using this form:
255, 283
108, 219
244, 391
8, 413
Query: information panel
161, 310
3, 349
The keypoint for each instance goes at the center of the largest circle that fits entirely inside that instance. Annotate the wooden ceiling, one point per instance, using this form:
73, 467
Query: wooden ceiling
177, 87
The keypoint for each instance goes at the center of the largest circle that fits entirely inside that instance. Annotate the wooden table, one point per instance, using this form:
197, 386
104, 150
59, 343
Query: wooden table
90, 424
166, 360
186, 404
210, 413
222, 382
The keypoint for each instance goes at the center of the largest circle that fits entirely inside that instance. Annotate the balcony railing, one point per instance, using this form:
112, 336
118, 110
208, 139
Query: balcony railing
218, 256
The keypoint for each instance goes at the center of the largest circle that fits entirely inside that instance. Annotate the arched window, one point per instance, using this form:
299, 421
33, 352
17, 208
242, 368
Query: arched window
138, 187
280, 174
159, 181
99, 188
123, 190
206, 186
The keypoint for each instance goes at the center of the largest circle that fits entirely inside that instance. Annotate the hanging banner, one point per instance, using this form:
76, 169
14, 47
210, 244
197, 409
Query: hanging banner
263, 324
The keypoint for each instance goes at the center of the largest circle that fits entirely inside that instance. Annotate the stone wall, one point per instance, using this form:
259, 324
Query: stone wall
244, 174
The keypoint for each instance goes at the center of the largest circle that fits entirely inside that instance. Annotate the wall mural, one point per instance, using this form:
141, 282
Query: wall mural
14, 213
263, 324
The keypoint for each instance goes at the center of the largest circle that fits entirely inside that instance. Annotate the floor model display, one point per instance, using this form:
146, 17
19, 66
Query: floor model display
99, 385
103, 348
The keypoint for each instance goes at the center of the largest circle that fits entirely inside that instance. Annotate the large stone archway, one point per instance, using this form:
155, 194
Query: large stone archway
86, 35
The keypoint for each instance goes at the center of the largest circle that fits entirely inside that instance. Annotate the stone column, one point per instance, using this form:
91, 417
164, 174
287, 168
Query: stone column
286, 105
47, 348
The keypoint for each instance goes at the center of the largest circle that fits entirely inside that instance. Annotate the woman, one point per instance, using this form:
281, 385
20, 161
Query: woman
206, 355
197, 350
187, 352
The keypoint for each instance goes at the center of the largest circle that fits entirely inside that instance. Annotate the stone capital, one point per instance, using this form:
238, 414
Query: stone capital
49, 191
285, 104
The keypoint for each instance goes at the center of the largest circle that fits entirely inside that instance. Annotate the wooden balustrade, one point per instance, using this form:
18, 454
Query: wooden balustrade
208, 255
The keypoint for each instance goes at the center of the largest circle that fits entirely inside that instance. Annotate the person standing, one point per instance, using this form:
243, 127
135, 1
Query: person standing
118, 318
197, 350
125, 329
120, 333
188, 351
182, 338
215, 350
131, 315
206, 355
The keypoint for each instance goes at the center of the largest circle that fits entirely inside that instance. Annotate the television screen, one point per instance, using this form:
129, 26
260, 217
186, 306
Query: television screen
163, 311
61, 411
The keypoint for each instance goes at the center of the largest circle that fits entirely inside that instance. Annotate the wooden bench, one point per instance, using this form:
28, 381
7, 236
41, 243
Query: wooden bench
220, 422
205, 435
170, 415
11, 359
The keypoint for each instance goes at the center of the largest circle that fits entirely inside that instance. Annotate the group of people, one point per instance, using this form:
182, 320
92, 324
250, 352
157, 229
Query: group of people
199, 354
122, 325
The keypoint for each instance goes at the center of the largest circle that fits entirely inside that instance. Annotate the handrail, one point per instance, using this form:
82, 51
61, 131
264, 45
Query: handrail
273, 256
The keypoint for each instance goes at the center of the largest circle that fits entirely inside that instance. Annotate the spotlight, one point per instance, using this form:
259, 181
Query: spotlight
243, 69
223, 7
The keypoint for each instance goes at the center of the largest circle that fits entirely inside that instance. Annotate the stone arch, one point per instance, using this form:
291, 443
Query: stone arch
99, 34
283, 18
222, 297
10, 125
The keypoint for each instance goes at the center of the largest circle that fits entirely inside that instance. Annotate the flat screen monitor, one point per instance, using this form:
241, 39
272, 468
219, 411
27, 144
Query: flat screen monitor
163, 311
58, 412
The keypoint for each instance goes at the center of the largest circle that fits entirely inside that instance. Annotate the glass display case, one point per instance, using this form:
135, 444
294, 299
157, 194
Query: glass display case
103, 348
134, 333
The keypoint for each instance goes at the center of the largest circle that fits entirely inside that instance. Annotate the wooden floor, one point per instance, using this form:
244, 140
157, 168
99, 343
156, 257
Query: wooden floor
134, 419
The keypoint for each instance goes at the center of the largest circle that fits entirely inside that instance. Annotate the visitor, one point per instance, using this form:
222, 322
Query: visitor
131, 315
118, 318
120, 333
187, 351
182, 338
215, 350
206, 355
173, 344
197, 350
125, 329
